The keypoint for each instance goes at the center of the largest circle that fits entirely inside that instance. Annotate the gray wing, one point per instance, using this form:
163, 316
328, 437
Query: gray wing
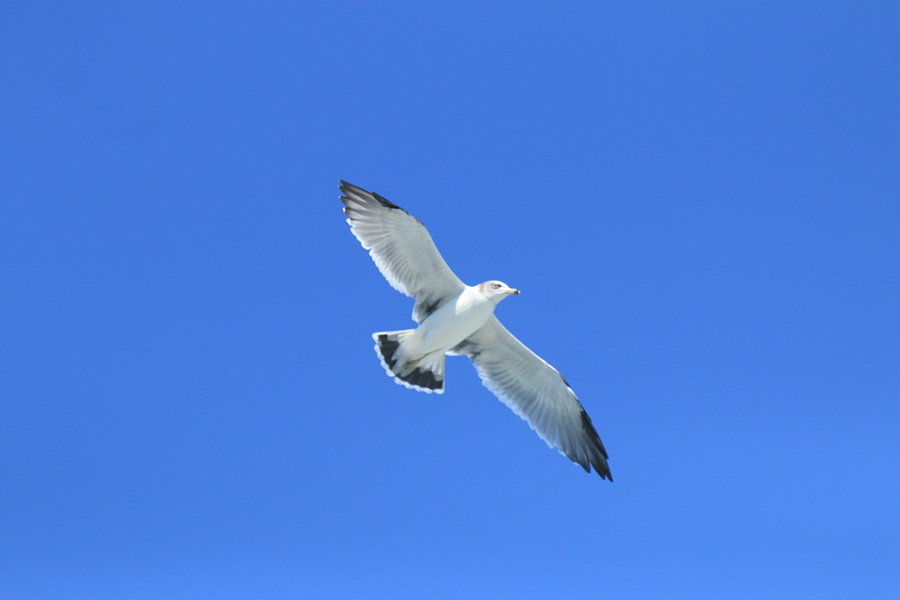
536, 392
401, 248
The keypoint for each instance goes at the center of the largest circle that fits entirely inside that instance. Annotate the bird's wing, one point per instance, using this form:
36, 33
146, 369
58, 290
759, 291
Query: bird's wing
401, 248
536, 392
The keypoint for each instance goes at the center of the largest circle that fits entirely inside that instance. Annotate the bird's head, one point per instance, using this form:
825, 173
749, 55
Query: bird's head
495, 291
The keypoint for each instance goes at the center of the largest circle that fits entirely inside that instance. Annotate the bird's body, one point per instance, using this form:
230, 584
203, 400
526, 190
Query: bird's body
453, 322
455, 318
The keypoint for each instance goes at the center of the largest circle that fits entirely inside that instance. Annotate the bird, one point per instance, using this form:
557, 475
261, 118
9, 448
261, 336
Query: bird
457, 319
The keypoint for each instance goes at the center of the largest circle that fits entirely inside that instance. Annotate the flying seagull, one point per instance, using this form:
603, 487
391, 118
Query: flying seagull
457, 319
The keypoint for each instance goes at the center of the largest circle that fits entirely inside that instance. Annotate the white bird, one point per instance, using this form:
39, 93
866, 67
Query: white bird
455, 319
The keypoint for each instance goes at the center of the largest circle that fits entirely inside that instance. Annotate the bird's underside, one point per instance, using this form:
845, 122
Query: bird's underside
457, 319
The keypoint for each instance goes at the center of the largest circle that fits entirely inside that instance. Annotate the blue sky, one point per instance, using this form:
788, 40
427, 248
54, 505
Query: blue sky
699, 202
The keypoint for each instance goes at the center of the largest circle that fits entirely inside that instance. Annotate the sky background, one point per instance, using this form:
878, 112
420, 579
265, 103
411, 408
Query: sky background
700, 203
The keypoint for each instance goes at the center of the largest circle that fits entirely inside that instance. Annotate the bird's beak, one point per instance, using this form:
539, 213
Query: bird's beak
514, 292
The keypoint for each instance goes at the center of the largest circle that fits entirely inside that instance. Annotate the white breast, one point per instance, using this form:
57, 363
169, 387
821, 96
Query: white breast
455, 321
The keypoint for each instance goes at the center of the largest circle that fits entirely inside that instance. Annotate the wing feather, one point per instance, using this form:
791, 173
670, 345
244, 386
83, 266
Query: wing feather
402, 249
536, 392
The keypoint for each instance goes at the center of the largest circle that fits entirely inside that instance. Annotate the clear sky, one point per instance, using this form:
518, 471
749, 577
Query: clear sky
700, 203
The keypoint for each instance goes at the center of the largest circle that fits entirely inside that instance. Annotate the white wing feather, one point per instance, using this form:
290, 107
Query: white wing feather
402, 249
536, 392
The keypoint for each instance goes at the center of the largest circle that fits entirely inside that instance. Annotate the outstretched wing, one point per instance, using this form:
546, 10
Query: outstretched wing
536, 392
401, 248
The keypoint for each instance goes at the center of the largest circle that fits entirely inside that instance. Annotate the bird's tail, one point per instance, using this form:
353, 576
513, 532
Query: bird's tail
425, 374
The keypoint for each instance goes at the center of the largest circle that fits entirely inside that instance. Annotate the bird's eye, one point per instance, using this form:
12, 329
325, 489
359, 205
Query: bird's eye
496, 286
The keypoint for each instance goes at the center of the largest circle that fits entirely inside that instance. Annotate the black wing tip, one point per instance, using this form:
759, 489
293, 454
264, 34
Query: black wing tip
598, 460
349, 188
592, 433
604, 474
600, 467
385, 202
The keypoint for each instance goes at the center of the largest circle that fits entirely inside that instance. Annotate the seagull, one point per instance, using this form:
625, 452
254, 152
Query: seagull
457, 319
